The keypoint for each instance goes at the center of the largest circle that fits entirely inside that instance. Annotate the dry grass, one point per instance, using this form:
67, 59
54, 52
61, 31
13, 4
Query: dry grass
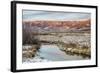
75, 49
30, 52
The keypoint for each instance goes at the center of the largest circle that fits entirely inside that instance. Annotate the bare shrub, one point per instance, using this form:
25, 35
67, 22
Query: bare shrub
71, 45
28, 37
85, 47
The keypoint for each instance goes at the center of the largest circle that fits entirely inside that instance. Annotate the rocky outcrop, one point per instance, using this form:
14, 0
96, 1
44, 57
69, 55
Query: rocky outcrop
54, 25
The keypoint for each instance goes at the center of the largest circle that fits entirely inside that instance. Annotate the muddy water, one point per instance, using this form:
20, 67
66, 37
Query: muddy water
53, 53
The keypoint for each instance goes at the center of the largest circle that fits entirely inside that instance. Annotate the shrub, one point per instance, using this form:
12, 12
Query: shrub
28, 37
85, 47
71, 45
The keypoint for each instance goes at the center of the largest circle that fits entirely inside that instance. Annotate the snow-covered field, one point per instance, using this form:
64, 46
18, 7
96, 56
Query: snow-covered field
80, 38
52, 53
37, 58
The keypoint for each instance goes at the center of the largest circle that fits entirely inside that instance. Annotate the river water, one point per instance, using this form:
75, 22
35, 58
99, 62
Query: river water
52, 53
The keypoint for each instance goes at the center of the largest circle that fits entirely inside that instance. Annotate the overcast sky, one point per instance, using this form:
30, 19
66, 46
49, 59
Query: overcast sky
52, 15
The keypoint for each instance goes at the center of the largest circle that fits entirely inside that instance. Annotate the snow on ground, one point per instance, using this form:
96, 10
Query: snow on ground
37, 58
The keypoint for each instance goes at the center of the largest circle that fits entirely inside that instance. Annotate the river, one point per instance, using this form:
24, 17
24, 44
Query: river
52, 53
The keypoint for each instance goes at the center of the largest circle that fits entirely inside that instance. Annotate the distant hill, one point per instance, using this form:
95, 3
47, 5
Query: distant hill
58, 26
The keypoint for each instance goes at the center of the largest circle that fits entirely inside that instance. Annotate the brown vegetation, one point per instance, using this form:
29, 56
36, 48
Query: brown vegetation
75, 49
30, 52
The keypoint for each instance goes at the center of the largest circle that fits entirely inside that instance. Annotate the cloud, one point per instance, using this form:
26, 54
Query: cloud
53, 15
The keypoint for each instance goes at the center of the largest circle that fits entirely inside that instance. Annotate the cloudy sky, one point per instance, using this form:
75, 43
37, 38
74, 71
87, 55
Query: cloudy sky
52, 15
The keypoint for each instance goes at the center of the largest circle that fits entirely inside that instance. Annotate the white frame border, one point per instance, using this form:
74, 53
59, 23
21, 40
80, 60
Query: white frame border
21, 66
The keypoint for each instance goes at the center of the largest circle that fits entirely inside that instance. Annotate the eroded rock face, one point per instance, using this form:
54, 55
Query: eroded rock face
57, 25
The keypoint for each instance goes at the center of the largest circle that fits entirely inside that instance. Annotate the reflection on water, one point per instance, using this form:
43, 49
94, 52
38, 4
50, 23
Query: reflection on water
52, 52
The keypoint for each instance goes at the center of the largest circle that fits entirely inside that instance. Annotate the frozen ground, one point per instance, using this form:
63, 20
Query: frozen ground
51, 53
37, 58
